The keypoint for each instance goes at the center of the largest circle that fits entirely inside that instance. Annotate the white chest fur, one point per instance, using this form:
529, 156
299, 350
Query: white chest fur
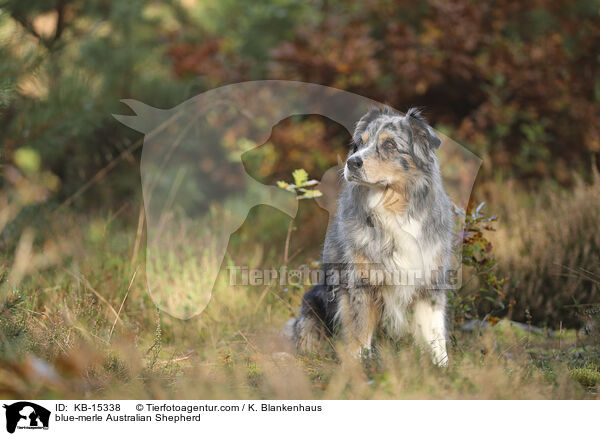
404, 237
407, 259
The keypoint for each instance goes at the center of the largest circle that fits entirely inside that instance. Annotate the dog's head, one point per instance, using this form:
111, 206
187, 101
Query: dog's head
391, 150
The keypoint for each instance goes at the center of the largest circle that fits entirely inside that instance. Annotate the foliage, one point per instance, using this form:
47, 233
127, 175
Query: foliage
588, 376
549, 251
301, 186
516, 82
477, 254
64, 67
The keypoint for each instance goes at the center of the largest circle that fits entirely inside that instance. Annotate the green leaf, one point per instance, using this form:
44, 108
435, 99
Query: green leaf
300, 177
309, 193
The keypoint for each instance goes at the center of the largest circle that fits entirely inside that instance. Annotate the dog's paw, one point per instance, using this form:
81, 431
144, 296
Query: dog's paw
441, 361
364, 353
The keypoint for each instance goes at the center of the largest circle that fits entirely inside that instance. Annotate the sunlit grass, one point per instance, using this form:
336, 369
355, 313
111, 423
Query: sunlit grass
85, 326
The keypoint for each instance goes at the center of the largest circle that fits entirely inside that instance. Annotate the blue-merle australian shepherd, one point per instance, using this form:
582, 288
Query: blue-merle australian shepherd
387, 252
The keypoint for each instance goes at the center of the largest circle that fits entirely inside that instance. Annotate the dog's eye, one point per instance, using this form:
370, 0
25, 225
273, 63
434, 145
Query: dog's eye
354, 148
388, 144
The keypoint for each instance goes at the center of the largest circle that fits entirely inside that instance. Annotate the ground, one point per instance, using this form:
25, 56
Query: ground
76, 320
90, 330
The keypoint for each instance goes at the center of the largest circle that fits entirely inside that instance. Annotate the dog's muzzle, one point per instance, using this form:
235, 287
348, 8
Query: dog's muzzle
353, 170
355, 163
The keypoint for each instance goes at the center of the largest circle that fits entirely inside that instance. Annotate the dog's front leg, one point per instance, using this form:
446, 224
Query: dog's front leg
358, 313
429, 326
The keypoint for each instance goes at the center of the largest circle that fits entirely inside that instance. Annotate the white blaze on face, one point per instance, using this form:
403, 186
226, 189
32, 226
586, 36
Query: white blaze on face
360, 154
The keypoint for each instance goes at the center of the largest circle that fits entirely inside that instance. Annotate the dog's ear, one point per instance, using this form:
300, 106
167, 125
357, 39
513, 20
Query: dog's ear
422, 131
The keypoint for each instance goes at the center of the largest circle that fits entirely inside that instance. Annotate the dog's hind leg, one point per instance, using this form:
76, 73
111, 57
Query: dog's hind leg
359, 314
429, 326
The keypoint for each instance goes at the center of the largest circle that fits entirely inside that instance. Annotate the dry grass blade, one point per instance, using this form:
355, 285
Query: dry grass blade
138, 235
89, 287
117, 318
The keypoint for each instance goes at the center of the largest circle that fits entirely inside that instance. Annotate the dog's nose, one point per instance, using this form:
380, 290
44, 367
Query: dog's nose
354, 163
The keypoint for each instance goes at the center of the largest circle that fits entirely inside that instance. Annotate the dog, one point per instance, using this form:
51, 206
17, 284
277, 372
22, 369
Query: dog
386, 255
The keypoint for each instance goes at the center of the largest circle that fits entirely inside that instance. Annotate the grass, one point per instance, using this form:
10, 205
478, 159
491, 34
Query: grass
548, 247
79, 323
587, 376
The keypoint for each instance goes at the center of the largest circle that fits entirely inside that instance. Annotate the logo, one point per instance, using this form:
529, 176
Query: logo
26, 415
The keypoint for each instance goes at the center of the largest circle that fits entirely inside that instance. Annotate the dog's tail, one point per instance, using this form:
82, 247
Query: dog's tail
288, 331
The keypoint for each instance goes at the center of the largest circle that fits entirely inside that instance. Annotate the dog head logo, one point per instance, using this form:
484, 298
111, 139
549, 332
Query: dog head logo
26, 415
197, 193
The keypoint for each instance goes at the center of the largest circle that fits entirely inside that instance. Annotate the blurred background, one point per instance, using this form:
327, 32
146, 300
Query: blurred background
517, 83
